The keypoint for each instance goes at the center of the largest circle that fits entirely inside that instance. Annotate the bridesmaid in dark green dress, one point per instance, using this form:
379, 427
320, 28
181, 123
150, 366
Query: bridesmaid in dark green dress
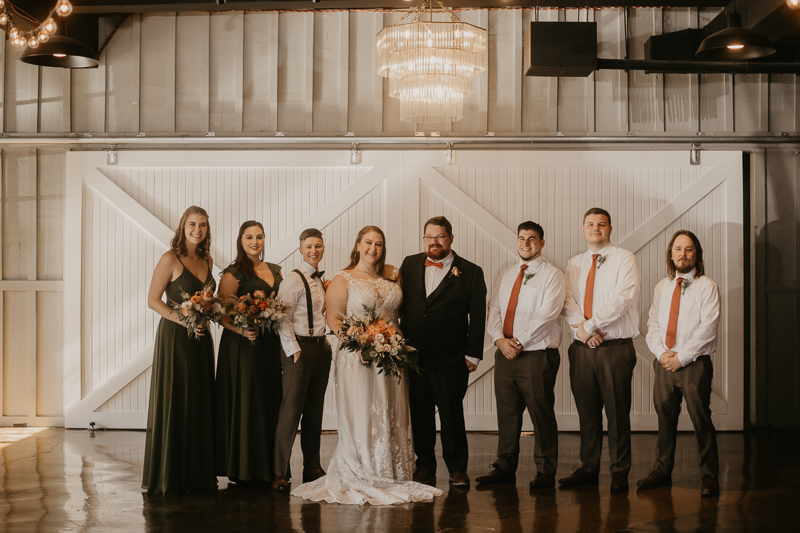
248, 386
179, 449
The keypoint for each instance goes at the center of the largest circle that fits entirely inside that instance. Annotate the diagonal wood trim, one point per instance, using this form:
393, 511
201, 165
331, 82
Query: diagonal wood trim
327, 214
132, 370
673, 210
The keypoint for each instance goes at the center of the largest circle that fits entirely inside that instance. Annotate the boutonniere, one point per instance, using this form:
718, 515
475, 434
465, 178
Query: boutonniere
600, 261
325, 284
527, 277
685, 285
454, 272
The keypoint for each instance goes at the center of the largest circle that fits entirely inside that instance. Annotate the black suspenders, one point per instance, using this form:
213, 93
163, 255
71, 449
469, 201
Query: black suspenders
309, 304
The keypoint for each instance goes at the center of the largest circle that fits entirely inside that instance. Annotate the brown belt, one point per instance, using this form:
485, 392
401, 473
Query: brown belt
312, 340
612, 342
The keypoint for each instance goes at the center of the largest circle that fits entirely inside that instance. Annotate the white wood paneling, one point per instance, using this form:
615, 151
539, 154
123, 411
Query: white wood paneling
192, 71
157, 72
127, 211
260, 71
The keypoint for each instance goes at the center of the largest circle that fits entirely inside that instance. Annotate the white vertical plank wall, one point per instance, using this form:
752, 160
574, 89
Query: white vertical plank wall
127, 212
313, 73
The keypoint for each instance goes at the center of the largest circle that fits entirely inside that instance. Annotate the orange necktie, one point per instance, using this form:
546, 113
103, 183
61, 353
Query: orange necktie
672, 325
589, 296
508, 323
429, 263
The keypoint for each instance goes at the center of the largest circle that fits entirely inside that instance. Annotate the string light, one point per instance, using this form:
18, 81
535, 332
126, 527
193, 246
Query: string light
40, 34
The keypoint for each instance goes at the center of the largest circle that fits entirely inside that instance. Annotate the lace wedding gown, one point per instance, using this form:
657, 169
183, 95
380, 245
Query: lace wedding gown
374, 459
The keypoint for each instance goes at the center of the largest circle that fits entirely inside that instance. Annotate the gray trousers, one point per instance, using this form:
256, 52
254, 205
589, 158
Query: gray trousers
528, 381
693, 384
304, 385
602, 377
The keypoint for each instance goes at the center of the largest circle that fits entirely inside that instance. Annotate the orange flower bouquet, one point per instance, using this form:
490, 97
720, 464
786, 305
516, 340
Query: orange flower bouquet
198, 310
378, 342
257, 311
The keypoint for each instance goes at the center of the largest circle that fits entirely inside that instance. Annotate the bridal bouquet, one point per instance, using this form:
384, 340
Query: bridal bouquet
199, 309
257, 311
378, 342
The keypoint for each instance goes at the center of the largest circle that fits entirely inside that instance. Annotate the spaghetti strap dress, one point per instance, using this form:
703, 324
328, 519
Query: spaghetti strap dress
248, 394
179, 446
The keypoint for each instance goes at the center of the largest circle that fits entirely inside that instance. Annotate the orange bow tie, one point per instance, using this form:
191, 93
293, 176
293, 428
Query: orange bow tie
429, 263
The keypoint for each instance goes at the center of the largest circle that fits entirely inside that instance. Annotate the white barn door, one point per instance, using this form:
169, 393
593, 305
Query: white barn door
121, 218
649, 195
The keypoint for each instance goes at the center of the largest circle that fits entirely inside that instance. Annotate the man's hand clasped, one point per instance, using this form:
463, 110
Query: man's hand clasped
670, 362
509, 348
593, 341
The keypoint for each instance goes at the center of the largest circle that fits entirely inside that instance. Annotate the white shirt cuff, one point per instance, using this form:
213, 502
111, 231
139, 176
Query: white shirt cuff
473, 360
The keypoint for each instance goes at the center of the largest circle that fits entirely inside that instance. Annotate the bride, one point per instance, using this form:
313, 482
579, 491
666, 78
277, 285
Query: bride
374, 459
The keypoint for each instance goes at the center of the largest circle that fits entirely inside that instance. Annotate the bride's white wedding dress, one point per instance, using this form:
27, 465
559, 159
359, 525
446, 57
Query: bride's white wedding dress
374, 459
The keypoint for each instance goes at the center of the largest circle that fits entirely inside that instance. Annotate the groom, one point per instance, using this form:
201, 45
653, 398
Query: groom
444, 317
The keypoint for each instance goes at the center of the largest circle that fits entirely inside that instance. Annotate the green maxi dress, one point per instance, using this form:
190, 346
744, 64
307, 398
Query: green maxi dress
248, 395
179, 448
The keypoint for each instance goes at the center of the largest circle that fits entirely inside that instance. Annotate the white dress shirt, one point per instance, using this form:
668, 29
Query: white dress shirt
537, 319
434, 276
617, 284
293, 292
698, 318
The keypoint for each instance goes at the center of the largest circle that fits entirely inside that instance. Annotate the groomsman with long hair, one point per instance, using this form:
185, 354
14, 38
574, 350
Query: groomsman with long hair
682, 334
525, 325
602, 309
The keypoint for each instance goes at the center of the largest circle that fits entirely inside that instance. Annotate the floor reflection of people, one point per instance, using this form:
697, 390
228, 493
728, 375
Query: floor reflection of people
545, 510
589, 516
619, 513
662, 508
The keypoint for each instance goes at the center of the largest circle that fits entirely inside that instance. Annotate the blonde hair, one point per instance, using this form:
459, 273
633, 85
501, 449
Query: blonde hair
178, 242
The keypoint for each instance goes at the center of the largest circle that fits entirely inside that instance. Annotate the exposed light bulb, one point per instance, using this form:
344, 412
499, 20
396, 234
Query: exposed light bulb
33, 42
63, 8
42, 35
793, 3
3, 19
59, 55
2, 3
735, 46
50, 25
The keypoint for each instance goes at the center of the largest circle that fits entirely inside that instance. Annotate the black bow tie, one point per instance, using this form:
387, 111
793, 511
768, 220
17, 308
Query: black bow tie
318, 274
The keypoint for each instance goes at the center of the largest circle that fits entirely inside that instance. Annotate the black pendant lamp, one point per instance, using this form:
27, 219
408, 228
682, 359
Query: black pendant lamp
734, 43
60, 51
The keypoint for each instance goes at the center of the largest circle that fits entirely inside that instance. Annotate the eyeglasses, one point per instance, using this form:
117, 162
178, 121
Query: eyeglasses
434, 237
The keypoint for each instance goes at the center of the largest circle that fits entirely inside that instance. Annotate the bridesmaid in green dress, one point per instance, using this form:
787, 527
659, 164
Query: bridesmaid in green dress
179, 449
248, 386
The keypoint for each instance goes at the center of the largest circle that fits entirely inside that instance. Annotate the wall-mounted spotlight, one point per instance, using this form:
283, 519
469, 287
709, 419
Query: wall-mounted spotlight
694, 154
450, 155
355, 154
111, 155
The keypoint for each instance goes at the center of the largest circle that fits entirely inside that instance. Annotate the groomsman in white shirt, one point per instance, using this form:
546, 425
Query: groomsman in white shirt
306, 363
602, 309
682, 334
525, 325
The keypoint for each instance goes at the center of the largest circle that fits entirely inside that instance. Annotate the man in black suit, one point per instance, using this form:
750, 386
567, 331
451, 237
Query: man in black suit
444, 318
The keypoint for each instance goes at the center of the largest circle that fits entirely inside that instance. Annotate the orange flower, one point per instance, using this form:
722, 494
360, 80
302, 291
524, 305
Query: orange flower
262, 305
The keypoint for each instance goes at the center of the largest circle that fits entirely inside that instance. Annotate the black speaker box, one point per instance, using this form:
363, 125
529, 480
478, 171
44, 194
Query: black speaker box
565, 49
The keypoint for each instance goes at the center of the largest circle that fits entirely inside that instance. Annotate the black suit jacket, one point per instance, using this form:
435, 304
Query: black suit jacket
450, 323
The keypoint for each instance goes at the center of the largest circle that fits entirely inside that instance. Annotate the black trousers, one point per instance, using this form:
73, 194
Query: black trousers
304, 385
528, 381
444, 389
693, 384
602, 377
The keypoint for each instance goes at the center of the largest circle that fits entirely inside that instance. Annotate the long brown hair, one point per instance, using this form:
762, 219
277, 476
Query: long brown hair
355, 257
699, 265
178, 242
245, 264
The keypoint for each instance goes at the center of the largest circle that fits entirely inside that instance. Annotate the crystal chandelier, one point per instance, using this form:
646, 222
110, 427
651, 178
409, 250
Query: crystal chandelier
431, 65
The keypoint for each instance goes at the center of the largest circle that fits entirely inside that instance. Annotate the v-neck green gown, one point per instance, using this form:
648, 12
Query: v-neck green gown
248, 395
179, 449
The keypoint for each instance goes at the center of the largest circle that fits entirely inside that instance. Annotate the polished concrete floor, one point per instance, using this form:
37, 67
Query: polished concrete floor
71, 480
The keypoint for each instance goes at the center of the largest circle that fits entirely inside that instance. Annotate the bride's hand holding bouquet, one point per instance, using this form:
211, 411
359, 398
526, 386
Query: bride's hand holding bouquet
376, 341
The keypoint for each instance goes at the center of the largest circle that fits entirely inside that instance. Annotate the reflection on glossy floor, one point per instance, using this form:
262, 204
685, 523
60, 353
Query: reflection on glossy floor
69, 480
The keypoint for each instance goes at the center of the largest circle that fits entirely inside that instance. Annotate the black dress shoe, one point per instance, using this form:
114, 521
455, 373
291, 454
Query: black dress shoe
619, 482
543, 480
459, 479
498, 475
710, 486
424, 475
654, 480
312, 474
579, 477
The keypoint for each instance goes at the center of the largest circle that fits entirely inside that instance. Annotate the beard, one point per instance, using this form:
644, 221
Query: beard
529, 256
437, 254
685, 269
